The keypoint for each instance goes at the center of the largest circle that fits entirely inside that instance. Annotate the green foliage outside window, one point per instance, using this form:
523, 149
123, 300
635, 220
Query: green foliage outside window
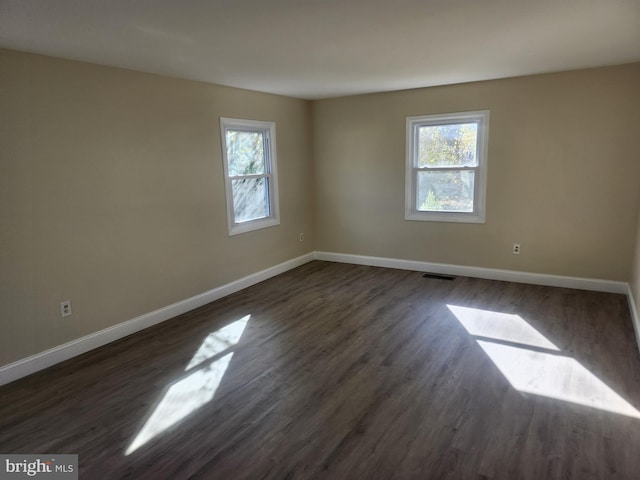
245, 151
447, 145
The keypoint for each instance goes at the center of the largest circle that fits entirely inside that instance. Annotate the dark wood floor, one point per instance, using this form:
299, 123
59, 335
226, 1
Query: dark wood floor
346, 372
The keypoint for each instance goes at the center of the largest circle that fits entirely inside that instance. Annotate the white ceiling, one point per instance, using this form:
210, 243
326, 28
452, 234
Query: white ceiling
324, 48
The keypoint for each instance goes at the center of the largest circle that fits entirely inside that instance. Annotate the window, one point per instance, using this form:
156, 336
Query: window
251, 184
446, 167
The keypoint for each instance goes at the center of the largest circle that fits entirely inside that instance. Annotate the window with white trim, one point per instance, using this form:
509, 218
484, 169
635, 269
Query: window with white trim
446, 167
250, 170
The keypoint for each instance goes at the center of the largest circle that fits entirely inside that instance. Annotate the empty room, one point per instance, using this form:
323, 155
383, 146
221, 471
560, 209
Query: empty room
320, 239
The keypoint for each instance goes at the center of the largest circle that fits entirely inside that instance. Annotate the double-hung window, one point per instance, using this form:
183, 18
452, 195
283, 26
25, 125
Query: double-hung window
251, 183
446, 167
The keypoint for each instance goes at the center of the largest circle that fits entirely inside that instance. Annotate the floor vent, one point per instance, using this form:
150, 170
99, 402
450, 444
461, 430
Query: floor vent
437, 276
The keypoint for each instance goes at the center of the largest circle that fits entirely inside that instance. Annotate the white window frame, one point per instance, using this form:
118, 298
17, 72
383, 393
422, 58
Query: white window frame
270, 173
481, 117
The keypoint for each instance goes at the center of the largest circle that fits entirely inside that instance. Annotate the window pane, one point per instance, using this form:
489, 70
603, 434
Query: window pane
250, 199
447, 145
245, 152
450, 191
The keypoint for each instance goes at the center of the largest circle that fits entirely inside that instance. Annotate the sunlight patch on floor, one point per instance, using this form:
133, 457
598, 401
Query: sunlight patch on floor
217, 342
555, 376
188, 394
500, 326
517, 349
183, 398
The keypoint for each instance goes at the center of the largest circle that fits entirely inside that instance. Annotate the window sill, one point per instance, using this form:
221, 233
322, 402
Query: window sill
445, 217
249, 226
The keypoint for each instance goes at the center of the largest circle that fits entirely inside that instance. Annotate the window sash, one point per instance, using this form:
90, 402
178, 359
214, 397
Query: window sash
444, 169
268, 192
416, 191
266, 157
267, 201
250, 176
435, 123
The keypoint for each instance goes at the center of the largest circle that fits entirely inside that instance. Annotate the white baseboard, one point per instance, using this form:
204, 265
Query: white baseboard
598, 285
42, 360
635, 318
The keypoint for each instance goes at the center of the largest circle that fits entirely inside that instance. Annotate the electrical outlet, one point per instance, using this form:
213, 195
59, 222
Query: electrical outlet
65, 308
516, 249
301, 237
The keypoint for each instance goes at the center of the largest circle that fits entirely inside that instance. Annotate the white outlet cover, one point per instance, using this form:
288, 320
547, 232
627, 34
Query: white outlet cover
65, 308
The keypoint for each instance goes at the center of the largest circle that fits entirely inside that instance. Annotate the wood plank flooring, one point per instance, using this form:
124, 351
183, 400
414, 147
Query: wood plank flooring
334, 371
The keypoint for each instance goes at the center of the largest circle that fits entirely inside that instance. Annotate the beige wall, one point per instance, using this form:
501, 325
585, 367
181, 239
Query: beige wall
112, 195
635, 273
562, 178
